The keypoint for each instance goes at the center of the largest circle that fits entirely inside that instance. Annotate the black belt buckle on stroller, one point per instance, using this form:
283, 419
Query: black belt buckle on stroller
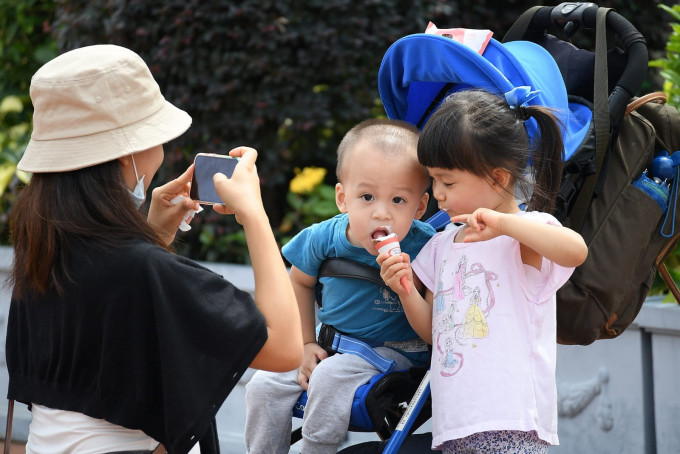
326, 337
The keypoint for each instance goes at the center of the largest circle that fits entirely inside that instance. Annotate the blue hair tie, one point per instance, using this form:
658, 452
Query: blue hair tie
520, 96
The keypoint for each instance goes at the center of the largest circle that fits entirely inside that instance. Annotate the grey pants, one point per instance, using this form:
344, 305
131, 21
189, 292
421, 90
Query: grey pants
270, 398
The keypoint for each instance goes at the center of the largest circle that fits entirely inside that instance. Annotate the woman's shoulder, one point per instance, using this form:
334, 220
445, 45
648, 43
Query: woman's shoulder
137, 250
137, 255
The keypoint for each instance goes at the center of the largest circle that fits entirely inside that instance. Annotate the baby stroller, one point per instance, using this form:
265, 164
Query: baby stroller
589, 90
603, 177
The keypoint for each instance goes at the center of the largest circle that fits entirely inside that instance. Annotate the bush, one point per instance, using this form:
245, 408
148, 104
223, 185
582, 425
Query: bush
670, 64
670, 72
25, 44
287, 77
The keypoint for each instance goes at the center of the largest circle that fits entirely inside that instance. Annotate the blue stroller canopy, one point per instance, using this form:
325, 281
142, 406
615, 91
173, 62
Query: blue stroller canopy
417, 67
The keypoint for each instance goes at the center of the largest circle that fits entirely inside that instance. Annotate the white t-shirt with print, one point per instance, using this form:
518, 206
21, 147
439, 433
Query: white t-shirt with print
493, 336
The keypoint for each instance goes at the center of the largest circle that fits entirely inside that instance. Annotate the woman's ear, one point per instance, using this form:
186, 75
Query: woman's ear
125, 160
126, 169
340, 198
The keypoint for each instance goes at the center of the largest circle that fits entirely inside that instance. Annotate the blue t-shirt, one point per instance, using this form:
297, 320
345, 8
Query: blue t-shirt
356, 307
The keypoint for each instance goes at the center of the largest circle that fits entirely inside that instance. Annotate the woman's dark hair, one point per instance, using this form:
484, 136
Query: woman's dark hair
56, 213
476, 131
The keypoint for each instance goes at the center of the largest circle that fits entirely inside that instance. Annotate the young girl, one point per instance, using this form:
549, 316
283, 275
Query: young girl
489, 301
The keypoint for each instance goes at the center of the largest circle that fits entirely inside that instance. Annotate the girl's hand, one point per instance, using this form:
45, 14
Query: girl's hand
241, 192
313, 354
393, 268
483, 224
164, 216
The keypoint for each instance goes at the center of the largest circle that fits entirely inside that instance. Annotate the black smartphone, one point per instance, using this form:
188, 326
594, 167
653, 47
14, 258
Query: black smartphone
206, 165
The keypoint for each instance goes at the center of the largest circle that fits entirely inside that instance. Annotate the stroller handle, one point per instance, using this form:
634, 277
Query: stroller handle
572, 15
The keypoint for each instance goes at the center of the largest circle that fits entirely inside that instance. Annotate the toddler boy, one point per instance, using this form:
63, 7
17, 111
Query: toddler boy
381, 189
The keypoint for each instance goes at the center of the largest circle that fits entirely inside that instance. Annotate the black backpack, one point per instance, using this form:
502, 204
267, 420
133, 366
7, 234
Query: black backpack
627, 218
627, 234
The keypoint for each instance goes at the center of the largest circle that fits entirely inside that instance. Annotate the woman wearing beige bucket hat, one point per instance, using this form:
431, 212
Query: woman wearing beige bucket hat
115, 342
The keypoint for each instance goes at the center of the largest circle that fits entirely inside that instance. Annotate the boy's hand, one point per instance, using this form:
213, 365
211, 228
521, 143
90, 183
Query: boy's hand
393, 268
312, 355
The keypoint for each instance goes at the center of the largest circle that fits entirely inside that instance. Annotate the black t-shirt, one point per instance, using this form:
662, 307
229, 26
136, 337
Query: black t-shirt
142, 338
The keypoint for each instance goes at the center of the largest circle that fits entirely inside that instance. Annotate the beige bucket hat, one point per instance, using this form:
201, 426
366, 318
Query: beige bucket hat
93, 105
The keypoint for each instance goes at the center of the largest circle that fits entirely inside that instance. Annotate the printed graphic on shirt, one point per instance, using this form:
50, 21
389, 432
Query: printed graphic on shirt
387, 302
460, 313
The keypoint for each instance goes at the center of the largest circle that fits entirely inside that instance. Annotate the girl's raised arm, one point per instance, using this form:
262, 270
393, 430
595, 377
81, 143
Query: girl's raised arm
558, 244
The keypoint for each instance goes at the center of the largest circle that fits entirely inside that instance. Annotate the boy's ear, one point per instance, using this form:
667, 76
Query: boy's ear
422, 206
501, 178
340, 198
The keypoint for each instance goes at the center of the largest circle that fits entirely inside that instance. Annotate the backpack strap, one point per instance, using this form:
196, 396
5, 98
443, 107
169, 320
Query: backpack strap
521, 25
600, 121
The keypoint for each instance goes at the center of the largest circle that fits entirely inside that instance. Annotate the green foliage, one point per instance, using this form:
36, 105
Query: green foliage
670, 71
14, 135
288, 78
25, 44
670, 64
659, 286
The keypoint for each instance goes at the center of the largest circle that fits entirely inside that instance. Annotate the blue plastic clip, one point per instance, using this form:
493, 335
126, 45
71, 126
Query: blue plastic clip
665, 167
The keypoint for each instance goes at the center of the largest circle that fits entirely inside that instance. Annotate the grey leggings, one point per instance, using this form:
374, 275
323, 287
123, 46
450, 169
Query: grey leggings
270, 398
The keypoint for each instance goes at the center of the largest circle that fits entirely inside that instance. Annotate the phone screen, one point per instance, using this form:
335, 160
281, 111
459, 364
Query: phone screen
205, 167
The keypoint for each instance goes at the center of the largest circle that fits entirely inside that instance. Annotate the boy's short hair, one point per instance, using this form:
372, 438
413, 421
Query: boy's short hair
384, 133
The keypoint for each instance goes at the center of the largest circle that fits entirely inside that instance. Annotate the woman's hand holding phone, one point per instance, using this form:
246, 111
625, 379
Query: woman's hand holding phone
241, 193
165, 216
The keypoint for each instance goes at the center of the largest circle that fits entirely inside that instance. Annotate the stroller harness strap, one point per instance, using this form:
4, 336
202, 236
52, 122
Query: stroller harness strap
333, 341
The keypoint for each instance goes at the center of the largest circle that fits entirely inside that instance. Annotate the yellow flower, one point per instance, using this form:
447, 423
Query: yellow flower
307, 179
11, 104
6, 174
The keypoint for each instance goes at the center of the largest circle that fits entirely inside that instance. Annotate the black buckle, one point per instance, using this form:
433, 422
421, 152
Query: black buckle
326, 337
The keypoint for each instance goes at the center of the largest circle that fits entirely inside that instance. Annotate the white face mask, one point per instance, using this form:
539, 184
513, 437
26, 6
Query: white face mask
139, 194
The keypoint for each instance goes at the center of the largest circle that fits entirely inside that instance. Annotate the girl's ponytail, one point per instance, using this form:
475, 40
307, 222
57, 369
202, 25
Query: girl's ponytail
478, 131
547, 159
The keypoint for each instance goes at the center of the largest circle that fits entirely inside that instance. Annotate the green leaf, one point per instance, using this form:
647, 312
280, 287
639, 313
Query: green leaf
675, 11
